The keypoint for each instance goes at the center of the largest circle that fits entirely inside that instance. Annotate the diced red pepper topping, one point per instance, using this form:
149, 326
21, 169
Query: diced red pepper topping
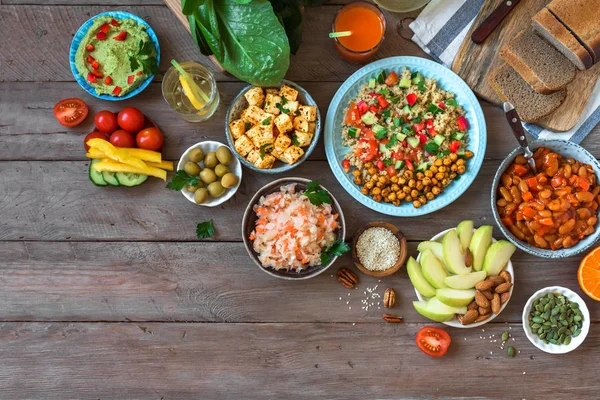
374, 109
346, 165
117, 90
422, 137
90, 47
380, 165
351, 116
130, 79
91, 78
114, 22
398, 155
411, 98
121, 36
90, 59
139, 73
391, 79
583, 183
419, 127
101, 36
429, 123
454, 146
432, 131
95, 64
463, 124
97, 74
410, 165
105, 28
383, 103
442, 105
108, 80
362, 107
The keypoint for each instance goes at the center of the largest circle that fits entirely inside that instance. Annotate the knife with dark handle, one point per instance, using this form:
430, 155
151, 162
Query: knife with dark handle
493, 20
517, 128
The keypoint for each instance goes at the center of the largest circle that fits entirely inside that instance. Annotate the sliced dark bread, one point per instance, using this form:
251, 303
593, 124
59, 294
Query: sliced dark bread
530, 105
582, 18
551, 29
538, 62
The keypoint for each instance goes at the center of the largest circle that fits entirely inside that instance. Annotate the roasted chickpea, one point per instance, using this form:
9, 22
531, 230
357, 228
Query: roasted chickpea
442, 169
429, 173
427, 189
414, 193
406, 189
420, 175
377, 197
380, 185
438, 162
408, 198
426, 181
372, 171
436, 190
356, 172
358, 180
423, 199
402, 181
447, 161
420, 185
416, 204
461, 169
401, 195
453, 175
469, 154
453, 167
392, 196
385, 192
395, 187
383, 179
433, 169
445, 182
369, 185
396, 202
434, 181
376, 191
368, 165
453, 156
364, 190
412, 183
429, 196
439, 176
394, 179
460, 162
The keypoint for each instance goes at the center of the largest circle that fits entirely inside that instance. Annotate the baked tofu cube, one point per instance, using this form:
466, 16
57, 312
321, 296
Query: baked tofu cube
284, 123
254, 115
271, 104
243, 145
292, 107
261, 134
278, 154
312, 127
237, 128
253, 156
281, 143
266, 162
300, 124
288, 92
272, 90
309, 113
292, 154
303, 138
255, 96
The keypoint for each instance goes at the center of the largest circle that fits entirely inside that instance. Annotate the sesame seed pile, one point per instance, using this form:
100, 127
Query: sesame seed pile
378, 249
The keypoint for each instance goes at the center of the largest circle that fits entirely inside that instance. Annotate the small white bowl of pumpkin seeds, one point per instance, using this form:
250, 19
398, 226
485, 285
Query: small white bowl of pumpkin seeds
556, 320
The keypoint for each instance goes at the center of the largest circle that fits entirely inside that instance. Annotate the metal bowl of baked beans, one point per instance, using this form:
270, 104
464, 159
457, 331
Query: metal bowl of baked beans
552, 213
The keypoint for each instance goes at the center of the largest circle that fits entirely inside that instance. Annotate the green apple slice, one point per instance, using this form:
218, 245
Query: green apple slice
480, 242
455, 297
497, 256
432, 313
465, 233
453, 256
417, 279
435, 304
467, 281
435, 247
433, 270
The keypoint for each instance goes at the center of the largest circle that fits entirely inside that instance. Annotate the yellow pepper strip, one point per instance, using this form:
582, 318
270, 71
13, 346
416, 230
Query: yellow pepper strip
112, 166
114, 153
145, 155
168, 165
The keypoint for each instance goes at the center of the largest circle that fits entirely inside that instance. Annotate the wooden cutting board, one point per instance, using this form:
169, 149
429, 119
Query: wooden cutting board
474, 62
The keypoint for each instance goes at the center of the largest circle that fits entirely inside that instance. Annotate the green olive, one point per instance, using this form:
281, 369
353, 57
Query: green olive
191, 188
208, 176
200, 195
221, 170
229, 180
191, 168
215, 189
196, 155
224, 155
210, 161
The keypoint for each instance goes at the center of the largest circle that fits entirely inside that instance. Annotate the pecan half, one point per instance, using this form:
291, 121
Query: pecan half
347, 278
389, 298
392, 319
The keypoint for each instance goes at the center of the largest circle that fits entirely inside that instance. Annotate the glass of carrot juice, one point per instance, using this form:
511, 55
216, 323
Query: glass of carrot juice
367, 26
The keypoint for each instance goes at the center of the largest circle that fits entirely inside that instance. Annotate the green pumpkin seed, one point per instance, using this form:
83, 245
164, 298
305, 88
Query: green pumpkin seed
567, 340
537, 313
511, 351
563, 316
549, 335
562, 330
553, 341
504, 336
555, 311
574, 306
543, 301
546, 307
576, 332
577, 318
561, 338
537, 319
564, 323
553, 320
535, 326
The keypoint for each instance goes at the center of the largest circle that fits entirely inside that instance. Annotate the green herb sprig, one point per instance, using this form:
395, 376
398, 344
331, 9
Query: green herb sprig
205, 229
146, 58
264, 149
180, 179
316, 194
335, 250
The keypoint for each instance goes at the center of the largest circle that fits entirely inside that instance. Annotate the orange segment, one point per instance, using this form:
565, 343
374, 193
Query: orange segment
588, 274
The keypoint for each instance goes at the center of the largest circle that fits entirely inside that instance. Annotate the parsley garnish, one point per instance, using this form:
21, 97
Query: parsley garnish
295, 140
265, 148
284, 101
180, 179
421, 86
392, 142
388, 161
145, 58
315, 194
451, 102
335, 250
205, 229
281, 108
296, 112
266, 121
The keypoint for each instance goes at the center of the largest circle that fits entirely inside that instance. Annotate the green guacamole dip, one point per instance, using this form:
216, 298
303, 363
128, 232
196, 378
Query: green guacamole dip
112, 56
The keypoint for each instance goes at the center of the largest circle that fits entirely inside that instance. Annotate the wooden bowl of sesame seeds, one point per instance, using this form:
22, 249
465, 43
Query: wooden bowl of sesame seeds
379, 249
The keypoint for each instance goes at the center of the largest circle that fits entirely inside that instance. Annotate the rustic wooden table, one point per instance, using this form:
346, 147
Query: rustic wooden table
106, 292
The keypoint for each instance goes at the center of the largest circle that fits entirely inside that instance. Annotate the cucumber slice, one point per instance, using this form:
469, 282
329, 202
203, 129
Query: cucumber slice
372, 82
369, 118
399, 165
110, 178
95, 176
457, 135
129, 179
413, 141
418, 78
423, 167
404, 83
439, 139
400, 136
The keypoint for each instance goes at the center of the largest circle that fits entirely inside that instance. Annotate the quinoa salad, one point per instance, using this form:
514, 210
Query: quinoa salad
407, 138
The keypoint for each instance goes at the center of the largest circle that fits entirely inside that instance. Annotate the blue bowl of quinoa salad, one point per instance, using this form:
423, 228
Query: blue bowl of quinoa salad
405, 136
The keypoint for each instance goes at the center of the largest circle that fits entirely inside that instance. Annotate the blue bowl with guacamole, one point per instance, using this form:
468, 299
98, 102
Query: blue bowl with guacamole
114, 51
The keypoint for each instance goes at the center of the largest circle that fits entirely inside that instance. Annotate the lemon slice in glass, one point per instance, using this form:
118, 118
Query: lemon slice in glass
192, 91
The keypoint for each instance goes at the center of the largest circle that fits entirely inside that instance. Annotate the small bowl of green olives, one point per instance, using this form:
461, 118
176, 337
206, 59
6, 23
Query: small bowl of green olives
218, 173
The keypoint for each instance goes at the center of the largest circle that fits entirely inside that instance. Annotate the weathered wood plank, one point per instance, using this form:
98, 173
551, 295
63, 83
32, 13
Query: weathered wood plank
299, 361
48, 32
56, 201
216, 282
29, 131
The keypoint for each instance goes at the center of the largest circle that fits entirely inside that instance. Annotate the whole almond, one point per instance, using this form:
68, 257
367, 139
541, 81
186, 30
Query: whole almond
481, 300
496, 280
468, 258
482, 317
484, 285
503, 287
488, 294
506, 276
472, 306
496, 303
483, 311
469, 317
504, 297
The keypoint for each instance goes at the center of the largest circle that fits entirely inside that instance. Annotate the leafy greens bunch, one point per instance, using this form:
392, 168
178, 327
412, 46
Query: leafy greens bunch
252, 39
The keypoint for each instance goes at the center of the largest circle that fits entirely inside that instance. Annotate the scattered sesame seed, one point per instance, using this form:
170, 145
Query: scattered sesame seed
349, 308
464, 338
483, 330
491, 352
340, 298
347, 302
348, 294
513, 339
354, 323
524, 372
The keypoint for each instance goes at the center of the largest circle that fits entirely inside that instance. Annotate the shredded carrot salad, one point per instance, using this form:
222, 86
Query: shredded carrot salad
290, 231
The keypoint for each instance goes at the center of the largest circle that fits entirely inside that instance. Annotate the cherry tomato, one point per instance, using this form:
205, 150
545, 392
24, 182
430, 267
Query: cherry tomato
70, 112
149, 139
122, 138
106, 121
93, 135
131, 119
433, 341
391, 171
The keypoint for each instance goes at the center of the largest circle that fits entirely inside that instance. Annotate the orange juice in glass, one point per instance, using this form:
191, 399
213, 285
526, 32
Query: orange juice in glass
367, 26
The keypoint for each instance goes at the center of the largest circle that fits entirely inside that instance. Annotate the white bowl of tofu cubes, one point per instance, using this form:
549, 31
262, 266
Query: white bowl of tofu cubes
273, 129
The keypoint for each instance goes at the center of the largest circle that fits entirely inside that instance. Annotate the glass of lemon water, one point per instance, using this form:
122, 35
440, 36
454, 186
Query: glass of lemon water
191, 90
